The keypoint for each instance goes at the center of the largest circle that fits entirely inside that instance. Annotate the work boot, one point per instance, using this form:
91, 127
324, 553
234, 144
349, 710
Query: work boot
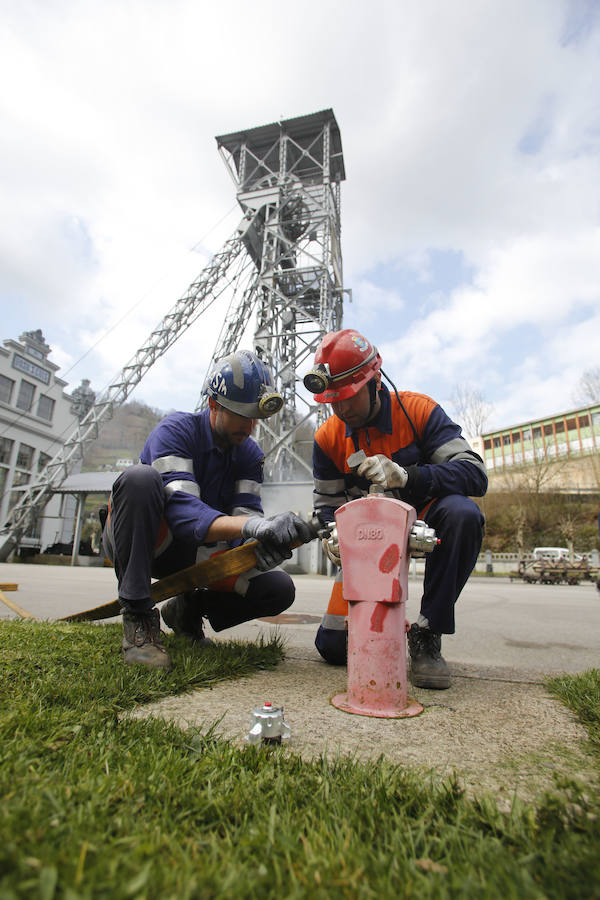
141, 641
183, 615
428, 667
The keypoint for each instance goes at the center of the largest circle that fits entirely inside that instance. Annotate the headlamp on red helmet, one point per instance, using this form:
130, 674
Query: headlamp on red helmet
318, 379
344, 362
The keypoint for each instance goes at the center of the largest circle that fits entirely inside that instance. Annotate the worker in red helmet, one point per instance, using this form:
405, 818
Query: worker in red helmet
417, 454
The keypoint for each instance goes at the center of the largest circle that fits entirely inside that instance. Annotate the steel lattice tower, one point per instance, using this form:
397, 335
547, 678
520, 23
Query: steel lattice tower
288, 178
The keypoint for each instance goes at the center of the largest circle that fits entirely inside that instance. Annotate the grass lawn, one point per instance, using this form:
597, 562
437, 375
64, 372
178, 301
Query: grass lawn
97, 806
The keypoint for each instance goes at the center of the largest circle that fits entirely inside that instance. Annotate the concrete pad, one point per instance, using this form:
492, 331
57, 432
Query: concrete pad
497, 734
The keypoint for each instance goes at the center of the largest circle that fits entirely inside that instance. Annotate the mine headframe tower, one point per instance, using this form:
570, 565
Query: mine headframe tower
288, 184
287, 177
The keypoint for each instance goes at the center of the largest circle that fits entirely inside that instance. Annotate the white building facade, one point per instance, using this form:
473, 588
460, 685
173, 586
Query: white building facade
35, 421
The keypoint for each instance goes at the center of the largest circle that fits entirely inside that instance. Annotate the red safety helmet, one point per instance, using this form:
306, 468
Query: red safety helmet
344, 362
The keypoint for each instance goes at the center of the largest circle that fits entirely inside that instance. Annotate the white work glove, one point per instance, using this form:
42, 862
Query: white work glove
278, 532
331, 547
381, 470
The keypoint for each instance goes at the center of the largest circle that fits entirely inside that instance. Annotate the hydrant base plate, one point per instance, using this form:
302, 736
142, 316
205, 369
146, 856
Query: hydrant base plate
412, 708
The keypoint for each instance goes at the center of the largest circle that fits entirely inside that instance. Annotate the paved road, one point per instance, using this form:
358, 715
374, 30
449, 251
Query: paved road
536, 629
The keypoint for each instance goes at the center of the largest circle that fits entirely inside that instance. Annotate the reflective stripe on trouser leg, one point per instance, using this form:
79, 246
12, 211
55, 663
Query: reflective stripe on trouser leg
268, 594
237, 583
337, 609
458, 523
331, 639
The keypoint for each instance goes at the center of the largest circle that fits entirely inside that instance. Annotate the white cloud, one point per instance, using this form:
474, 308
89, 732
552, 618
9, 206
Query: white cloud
111, 175
370, 300
533, 283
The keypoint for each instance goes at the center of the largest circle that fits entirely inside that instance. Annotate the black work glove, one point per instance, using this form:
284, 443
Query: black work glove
278, 532
268, 558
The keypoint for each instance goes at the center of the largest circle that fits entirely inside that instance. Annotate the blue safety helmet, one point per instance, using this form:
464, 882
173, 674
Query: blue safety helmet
242, 383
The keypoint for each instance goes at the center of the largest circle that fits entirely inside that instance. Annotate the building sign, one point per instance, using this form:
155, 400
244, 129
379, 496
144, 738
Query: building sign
33, 351
25, 365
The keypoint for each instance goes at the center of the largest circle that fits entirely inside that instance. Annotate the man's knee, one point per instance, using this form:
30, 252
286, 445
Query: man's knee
140, 489
284, 590
273, 591
473, 525
458, 515
139, 482
332, 644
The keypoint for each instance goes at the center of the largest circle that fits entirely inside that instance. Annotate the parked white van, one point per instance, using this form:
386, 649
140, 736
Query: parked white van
554, 553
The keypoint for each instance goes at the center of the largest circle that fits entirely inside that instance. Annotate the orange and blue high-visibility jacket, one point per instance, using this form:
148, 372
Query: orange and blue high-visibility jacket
421, 438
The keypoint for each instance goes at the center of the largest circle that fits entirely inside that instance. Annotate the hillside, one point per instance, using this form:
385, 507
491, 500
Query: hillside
527, 519
122, 437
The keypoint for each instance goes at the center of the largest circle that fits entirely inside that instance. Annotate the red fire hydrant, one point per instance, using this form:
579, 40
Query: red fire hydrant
374, 534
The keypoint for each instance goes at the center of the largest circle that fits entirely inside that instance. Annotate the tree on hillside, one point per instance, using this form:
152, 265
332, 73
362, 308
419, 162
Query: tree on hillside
567, 527
588, 386
534, 481
470, 409
520, 521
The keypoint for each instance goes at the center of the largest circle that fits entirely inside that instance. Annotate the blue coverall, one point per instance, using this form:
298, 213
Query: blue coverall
160, 511
443, 471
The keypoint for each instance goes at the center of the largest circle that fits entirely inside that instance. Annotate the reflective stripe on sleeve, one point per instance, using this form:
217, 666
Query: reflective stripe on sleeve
166, 464
457, 448
186, 487
329, 492
330, 486
245, 486
326, 500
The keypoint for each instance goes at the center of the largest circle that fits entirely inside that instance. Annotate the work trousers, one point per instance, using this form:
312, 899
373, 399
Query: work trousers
130, 536
458, 523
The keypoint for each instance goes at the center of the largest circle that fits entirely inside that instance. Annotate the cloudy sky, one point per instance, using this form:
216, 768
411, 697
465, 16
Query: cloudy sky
470, 213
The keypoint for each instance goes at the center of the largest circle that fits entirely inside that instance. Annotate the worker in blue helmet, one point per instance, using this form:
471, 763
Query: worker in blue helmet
196, 492
242, 383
